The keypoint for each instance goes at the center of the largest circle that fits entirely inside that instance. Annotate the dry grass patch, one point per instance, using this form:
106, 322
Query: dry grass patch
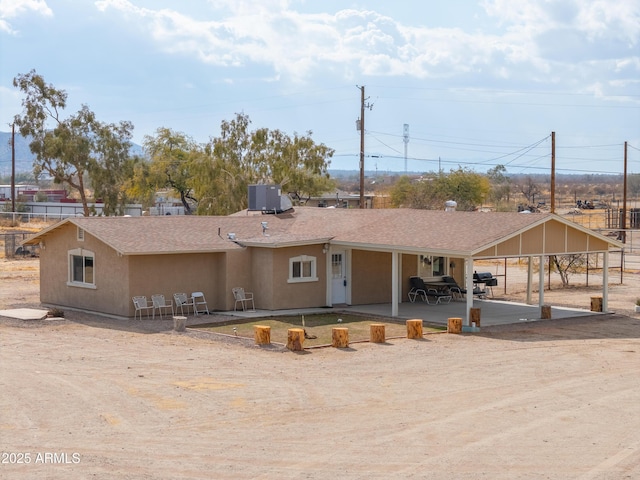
317, 325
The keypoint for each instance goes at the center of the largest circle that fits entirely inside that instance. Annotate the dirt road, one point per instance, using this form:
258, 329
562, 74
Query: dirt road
554, 400
89, 397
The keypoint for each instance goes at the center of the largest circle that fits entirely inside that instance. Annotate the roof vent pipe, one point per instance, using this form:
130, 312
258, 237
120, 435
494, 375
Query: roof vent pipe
450, 206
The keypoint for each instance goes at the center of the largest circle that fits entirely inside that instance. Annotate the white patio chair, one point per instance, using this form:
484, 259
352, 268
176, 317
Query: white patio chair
243, 298
141, 304
199, 303
159, 303
182, 302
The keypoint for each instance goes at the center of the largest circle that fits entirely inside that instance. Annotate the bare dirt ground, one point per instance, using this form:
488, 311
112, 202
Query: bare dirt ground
93, 397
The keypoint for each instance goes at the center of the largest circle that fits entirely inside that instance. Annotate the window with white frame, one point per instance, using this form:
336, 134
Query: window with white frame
81, 268
302, 269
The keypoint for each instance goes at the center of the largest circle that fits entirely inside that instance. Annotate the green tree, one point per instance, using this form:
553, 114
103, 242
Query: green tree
112, 166
402, 192
77, 150
500, 185
239, 157
171, 160
468, 188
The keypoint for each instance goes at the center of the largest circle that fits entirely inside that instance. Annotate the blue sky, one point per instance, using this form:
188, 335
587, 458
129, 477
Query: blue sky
479, 83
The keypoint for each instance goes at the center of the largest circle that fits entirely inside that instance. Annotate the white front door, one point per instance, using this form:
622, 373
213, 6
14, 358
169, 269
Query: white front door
338, 277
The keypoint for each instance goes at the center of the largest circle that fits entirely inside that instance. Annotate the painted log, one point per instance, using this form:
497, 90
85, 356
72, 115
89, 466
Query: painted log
340, 337
454, 325
377, 333
414, 328
474, 314
295, 339
262, 334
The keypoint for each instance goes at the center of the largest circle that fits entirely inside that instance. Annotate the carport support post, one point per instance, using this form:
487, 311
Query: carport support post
394, 283
541, 282
327, 263
468, 266
605, 281
529, 278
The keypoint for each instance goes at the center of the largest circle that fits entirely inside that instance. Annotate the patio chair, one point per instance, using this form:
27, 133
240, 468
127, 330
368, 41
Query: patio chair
182, 301
243, 298
141, 304
160, 303
459, 293
199, 303
418, 288
441, 297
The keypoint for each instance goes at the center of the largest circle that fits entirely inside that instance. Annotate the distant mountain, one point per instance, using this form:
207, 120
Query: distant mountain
24, 157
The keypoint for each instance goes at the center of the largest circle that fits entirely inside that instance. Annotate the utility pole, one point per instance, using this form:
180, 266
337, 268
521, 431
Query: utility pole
553, 172
405, 138
623, 235
13, 167
360, 126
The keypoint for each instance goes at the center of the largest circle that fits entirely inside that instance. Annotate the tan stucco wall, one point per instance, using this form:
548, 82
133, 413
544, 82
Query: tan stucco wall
371, 277
262, 280
169, 274
119, 278
236, 272
111, 294
295, 295
265, 273
262, 271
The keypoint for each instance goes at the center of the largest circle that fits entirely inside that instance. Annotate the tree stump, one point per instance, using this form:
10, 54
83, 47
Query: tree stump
179, 324
474, 314
262, 334
596, 304
340, 337
295, 339
376, 331
454, 325
545, 312
414, 328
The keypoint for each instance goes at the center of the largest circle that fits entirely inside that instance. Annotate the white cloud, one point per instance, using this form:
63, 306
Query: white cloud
10, 9
537, 38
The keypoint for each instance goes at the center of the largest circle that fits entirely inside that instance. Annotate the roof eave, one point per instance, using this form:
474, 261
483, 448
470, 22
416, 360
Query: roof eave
292, 243
402, 249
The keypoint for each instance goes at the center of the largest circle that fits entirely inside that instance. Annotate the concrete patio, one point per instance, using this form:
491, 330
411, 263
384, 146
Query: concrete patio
493, 312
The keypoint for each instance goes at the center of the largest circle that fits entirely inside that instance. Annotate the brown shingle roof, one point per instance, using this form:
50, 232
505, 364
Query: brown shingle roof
460, 233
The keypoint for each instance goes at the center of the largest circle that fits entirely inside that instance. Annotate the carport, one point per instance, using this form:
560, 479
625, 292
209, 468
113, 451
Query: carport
469, 237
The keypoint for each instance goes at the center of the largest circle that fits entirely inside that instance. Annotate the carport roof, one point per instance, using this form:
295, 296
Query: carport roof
463, 234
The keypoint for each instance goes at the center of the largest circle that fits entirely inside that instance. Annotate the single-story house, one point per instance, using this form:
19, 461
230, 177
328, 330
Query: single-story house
305, 257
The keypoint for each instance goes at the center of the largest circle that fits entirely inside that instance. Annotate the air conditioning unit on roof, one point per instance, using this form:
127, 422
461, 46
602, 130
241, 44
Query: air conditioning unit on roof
267, 199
